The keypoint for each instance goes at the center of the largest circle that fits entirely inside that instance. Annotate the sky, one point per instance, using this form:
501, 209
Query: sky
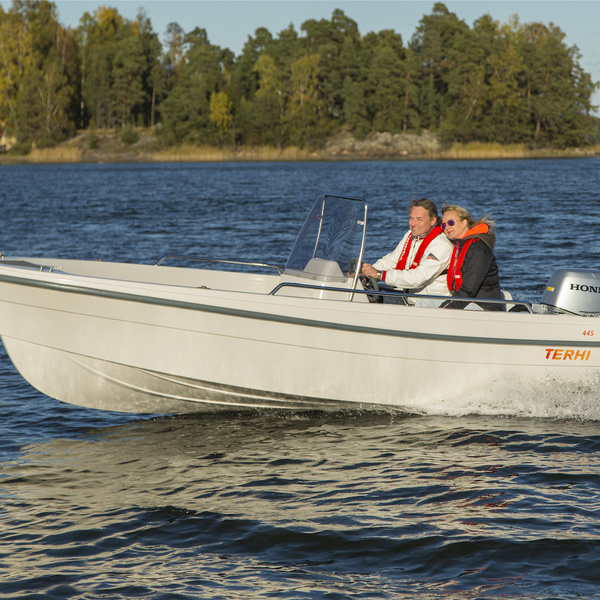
228, 23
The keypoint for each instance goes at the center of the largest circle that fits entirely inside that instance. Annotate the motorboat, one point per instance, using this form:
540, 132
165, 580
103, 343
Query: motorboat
192, 334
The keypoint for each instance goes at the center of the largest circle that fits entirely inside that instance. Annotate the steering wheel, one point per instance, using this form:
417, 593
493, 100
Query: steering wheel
372, 284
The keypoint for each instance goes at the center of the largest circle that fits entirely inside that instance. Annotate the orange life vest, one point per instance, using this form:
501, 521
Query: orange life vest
454, 277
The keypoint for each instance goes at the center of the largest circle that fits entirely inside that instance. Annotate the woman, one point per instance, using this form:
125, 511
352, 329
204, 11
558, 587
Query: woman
472, 272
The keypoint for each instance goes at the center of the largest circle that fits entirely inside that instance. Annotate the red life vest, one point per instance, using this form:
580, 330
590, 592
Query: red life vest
454, 277
401, 266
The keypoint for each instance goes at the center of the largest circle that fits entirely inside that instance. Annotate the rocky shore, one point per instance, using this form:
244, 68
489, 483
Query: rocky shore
112, 146
384, 145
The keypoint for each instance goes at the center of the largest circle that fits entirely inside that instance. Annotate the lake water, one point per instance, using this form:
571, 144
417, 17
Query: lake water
298, 506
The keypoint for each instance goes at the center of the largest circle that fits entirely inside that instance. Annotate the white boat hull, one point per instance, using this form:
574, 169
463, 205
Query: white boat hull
148, 339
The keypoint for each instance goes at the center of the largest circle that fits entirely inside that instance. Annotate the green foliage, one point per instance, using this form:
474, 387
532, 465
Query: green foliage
220, 113
355, 112
388, 80
185, 113
42, 104
492, 82
93, 140
306, 112
21, 149
127, 86
129, 135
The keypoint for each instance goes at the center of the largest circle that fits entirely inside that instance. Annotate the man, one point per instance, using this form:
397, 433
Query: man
420, 261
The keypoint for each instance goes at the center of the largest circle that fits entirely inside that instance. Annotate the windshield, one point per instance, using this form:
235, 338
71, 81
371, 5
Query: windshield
334, 231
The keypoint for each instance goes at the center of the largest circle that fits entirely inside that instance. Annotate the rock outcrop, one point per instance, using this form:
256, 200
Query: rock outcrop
383, 145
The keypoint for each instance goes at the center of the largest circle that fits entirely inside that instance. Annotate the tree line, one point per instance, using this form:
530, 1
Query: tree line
492, 82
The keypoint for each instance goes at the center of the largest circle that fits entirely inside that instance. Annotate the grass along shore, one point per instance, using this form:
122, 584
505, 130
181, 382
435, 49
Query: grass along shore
107, 146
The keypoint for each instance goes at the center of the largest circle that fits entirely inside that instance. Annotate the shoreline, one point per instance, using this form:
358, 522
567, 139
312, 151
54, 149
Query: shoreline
107, 147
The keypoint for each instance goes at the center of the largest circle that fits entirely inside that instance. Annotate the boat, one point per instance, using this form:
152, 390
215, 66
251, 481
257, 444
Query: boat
196, 334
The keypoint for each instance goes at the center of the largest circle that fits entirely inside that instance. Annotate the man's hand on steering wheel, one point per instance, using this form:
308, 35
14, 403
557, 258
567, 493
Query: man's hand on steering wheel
369, 270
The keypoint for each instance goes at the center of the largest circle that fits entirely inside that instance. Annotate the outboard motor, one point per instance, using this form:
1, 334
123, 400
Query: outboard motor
574, 291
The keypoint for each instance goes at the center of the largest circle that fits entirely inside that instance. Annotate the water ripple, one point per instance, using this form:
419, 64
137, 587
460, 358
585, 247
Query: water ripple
307, 506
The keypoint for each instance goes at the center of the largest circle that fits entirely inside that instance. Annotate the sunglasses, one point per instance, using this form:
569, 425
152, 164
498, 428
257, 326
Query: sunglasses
448, 222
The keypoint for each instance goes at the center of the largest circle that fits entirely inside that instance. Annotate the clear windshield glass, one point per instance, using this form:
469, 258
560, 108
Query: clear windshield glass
334, 231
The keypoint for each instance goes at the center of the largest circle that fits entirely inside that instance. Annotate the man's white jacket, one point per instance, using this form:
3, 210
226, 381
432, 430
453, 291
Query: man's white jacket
429, 277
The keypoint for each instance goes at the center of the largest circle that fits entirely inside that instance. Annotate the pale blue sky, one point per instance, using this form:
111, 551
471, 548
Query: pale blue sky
228, 23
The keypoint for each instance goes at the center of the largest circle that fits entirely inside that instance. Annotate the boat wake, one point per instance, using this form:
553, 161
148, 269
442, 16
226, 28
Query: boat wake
513, 397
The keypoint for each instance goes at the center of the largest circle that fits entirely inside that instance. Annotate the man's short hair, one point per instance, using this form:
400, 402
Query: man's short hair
428, 205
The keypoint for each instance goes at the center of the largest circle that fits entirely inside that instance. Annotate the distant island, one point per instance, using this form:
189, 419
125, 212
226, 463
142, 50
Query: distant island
109, 90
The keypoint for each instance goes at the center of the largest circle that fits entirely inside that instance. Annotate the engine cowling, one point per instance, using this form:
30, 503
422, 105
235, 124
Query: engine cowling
575, 291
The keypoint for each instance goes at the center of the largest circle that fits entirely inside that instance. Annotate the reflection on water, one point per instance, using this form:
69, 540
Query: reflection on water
361, 487
270, 502
242, 506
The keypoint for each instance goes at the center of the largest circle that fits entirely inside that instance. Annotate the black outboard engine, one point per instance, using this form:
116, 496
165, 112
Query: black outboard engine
574, 291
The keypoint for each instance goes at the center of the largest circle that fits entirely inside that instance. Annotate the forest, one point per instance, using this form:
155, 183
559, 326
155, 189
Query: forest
493, 82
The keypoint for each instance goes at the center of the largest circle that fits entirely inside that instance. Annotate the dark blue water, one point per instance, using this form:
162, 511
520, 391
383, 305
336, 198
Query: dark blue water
306, 506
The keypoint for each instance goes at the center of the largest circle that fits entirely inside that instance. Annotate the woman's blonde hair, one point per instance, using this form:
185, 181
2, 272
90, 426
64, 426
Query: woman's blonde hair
463, 213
